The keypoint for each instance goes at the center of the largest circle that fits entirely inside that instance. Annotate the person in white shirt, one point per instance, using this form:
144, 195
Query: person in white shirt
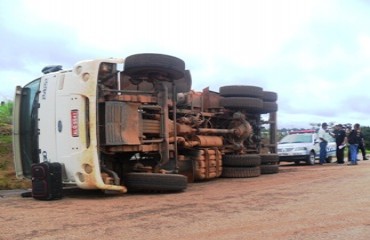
324, 137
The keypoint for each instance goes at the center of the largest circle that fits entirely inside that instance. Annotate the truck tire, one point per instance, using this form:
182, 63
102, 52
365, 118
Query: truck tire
155, 182
268, 96
269, 107
246, 160
146, 63
269, 158
246, 103
269, 169
240, 172
184, 84
241, 91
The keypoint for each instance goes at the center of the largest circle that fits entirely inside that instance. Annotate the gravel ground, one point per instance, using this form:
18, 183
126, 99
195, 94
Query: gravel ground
301, 202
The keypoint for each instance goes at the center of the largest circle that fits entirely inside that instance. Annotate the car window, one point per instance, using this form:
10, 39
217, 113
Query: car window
297, 138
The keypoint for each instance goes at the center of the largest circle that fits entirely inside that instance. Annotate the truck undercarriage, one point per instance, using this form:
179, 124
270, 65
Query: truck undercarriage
151, 123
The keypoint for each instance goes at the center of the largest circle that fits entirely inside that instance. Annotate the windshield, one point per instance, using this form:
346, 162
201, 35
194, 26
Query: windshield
28, 129
297, 138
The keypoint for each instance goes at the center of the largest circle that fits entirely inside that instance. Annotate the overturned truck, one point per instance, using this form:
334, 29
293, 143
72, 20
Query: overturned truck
135, 124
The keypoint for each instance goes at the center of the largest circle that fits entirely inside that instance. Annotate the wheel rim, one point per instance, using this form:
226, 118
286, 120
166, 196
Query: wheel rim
312, 159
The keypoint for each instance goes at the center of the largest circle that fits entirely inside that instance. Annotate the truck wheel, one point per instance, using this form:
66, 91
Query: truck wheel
147, 63
184, 84
311, 159
269, 169
245, 103
269, 96
269, 107
246, 160
269, 158
240, 172
155, 182
241, 91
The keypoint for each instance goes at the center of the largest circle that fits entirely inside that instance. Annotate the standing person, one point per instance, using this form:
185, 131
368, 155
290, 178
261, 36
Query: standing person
324, 138
353, 140
361, 146
340, 140
348, 131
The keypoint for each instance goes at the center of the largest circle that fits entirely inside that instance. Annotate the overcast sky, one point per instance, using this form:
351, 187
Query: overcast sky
314, 54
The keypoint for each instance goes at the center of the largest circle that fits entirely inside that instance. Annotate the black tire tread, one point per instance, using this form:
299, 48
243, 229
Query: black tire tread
245, 103
241, 91
271, 158
269, 169
240, 172
152, 62
268, 96
269, 107
155, 182
245, 160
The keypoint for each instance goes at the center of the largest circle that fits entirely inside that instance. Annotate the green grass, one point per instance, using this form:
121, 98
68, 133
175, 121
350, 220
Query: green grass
8, 179
6, 110
7, 173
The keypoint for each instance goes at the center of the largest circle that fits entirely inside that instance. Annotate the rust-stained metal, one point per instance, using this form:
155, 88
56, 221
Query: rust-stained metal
187, 132
208, 163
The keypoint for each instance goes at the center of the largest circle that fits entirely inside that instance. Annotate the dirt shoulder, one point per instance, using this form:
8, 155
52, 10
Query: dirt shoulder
300, 202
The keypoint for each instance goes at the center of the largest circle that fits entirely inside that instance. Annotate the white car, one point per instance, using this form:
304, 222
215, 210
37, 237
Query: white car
303, 146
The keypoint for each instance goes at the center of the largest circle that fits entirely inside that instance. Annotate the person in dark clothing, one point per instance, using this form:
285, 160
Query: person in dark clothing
354, 140
361, 147
340, 140
348, 131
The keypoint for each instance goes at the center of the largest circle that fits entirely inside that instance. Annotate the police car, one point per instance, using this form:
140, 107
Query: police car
304, 146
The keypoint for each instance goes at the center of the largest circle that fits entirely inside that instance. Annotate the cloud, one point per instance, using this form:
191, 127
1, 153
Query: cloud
314, 54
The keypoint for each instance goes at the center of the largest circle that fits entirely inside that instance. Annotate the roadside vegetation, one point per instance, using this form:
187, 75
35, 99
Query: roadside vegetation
7, 173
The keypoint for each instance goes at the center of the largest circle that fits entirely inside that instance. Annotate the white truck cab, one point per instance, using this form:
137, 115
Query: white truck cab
56, 122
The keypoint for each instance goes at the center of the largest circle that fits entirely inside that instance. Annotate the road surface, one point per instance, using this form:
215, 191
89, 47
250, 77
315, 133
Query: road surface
301, 202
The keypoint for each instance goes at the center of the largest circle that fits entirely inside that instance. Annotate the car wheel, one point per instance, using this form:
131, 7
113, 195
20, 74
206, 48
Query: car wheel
311, 158
329, 159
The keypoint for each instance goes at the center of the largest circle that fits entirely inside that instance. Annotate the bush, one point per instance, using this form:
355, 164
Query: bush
6, 110
7, 173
